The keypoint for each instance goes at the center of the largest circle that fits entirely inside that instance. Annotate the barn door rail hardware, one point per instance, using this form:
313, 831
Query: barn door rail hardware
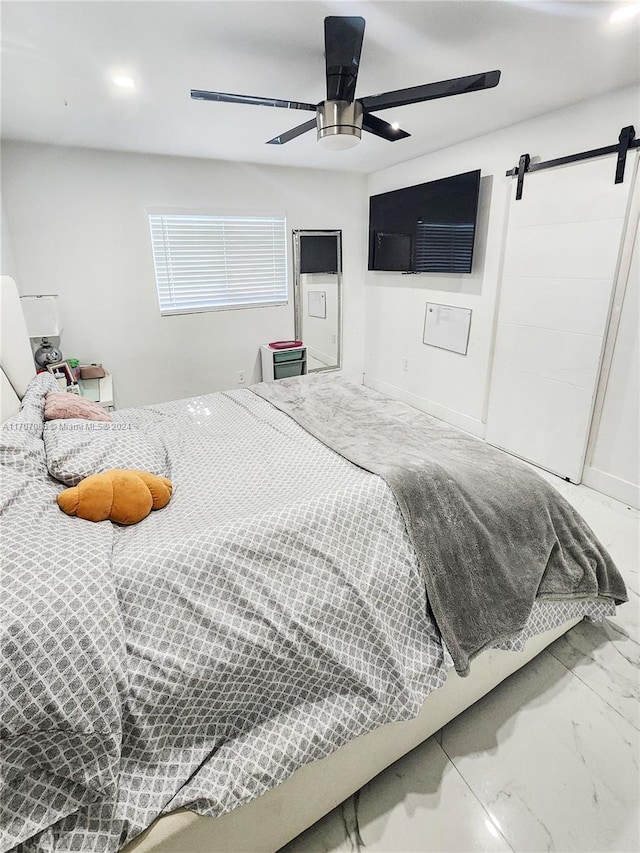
626, 140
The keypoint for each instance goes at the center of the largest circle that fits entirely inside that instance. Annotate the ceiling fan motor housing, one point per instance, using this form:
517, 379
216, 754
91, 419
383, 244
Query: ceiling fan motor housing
339, 123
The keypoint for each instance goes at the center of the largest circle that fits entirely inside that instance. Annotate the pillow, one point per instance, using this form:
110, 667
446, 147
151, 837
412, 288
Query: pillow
75, 449
123, 496
62, 404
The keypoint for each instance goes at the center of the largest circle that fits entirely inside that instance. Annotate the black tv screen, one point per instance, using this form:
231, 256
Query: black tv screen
318, 253
426, 228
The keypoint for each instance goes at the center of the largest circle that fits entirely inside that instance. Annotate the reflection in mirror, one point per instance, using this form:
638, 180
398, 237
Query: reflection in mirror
317, 270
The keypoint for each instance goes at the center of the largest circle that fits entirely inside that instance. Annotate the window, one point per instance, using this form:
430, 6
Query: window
205, 262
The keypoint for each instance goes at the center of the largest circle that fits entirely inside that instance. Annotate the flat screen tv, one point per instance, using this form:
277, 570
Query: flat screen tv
426, 228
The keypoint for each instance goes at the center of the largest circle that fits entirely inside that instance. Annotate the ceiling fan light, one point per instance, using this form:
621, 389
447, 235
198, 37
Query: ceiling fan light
339, 139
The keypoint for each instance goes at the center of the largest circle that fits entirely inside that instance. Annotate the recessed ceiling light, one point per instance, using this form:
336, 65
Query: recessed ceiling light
625, 13
395, 125
123, 81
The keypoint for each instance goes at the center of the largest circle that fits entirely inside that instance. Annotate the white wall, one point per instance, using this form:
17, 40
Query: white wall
451, 386
455, 387
79, 229
7, 257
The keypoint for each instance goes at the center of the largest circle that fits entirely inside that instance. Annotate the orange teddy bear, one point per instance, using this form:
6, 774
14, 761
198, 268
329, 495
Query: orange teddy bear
125, 496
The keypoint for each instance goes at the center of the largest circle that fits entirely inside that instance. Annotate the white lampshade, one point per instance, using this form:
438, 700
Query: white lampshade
41, 315
340, 141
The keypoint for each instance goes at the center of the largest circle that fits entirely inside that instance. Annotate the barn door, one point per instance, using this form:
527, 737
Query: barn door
562, 251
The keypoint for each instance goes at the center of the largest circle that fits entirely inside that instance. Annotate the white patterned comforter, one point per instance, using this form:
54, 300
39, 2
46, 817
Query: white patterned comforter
272, 612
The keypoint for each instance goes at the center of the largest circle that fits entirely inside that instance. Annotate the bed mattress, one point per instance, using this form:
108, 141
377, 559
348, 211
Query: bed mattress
272, 612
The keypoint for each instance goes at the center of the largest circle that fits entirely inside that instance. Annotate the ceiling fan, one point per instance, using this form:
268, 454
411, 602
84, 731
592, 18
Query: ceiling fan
342, 117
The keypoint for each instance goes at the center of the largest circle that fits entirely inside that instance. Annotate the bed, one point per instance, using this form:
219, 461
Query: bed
221, 675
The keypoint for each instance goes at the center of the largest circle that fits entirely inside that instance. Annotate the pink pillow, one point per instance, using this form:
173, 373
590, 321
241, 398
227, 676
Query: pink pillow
66, 405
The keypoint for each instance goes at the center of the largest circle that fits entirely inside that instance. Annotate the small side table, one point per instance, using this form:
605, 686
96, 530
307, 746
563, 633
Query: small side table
98, 390
282, 363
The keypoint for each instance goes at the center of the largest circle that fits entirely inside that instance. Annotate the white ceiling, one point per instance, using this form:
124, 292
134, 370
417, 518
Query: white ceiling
58, 59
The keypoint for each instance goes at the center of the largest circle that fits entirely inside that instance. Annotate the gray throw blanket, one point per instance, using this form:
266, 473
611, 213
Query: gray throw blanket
490, 534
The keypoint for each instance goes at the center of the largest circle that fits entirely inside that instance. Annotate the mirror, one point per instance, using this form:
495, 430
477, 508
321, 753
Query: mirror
317, 284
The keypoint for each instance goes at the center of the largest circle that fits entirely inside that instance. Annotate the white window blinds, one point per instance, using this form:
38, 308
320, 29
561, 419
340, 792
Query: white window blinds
204, 262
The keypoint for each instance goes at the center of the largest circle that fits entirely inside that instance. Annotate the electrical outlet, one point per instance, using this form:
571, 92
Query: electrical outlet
241, 377
333, 339
405, 364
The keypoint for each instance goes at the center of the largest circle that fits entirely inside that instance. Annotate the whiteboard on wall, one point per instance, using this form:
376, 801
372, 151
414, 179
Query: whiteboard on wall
318, 304
447, 327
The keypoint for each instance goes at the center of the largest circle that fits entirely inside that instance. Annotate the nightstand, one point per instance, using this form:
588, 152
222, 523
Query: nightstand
282, 363
98, 390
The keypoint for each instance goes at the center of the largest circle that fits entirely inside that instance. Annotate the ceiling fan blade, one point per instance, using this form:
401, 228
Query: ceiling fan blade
291, 134
382, 128
199, 95
431, 91
342, 48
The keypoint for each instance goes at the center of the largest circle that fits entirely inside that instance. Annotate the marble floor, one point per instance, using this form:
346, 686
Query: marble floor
548, 761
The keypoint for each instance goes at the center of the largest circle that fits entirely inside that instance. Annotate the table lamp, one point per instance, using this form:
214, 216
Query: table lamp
41, 317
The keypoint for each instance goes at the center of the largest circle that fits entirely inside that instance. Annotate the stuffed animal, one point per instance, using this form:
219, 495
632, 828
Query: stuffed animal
125, 496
